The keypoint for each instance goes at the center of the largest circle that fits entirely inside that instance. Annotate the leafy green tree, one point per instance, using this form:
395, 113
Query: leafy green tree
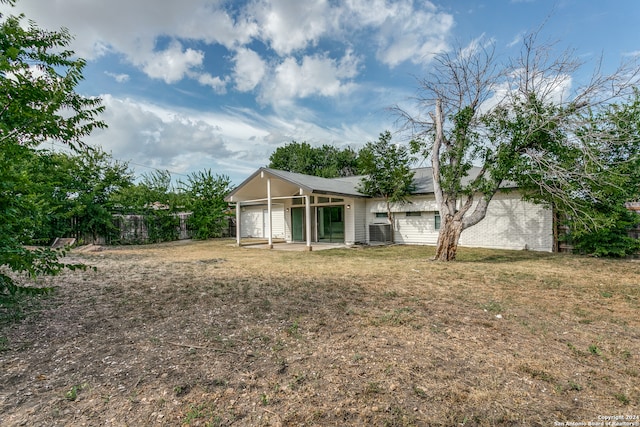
337, 162
620, 159
160, 206
39, 77
387, 171
154, 188
38, 103
155, 198
162, 225
20, 215
205, 199
97, 178
77, 190
610, 240
326, 161
586, 173
50, 181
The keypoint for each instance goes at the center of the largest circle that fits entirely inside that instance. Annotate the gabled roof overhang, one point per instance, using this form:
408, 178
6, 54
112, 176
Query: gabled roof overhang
287, 184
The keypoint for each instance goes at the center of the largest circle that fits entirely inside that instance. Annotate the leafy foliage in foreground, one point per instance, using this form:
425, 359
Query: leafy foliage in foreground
30, 263
38, 103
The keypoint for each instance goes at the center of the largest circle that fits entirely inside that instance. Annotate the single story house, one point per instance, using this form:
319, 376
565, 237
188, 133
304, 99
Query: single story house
301, 208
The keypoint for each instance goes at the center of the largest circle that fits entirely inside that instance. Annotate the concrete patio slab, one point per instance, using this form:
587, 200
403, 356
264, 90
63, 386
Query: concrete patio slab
295, 247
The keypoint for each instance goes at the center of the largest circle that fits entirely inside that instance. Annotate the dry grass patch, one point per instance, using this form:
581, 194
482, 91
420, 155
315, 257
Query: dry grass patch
204, 333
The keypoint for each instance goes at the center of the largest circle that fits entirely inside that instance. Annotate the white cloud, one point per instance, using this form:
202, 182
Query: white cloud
184, 141
370, 13
556, 89
218, 84
150, 131
120, 78
153, 136
282, 51
401, 31
290, 25
249, 69
132, 28
475, 46
213, 25
237, 141
171, 64
313, 75
517, 39
552, 89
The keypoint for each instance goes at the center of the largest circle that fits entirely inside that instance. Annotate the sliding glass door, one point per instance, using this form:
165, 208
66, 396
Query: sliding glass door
330, 224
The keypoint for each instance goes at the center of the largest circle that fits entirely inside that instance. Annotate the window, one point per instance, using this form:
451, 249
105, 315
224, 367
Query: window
414, 213
323, 199
300, 200
436, 220
381, 214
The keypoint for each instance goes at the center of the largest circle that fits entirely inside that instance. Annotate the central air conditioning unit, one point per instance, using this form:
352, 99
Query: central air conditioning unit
380, 233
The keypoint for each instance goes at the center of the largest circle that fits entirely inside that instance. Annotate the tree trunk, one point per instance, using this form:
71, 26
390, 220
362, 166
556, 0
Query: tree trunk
390, 219
448, 239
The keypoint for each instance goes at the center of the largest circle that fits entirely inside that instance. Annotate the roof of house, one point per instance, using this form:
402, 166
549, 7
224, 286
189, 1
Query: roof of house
292, 183
346, 185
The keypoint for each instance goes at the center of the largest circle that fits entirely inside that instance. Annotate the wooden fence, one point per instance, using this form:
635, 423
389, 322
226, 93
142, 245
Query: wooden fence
134, 229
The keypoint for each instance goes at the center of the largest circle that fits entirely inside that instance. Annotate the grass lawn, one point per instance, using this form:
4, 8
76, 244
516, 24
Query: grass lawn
205, 333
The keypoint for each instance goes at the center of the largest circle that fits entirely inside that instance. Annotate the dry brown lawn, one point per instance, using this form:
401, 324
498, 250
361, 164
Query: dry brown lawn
205, 333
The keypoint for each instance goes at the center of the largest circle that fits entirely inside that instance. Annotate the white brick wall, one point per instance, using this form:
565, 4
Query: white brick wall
511, 223
415, 230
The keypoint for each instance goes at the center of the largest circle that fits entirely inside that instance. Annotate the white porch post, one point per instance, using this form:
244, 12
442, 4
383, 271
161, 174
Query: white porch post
238, 222
269, 212
307, 213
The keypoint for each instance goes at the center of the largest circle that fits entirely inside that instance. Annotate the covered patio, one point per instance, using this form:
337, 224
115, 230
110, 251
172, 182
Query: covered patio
307, 203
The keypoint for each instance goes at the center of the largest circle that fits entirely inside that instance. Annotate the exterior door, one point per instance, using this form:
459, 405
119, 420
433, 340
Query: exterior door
330, 224
298, 225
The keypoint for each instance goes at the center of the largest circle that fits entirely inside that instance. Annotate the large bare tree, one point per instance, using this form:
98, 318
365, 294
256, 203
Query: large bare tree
482, 122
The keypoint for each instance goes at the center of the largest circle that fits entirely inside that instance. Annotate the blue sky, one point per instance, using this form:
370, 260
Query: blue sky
215, 84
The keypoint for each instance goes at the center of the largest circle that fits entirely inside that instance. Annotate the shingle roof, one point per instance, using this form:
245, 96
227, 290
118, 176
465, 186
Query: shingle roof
345, 186
422, 181
348, 186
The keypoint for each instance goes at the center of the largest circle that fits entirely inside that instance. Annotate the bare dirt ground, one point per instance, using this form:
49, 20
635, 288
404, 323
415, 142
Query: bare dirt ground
208, 334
